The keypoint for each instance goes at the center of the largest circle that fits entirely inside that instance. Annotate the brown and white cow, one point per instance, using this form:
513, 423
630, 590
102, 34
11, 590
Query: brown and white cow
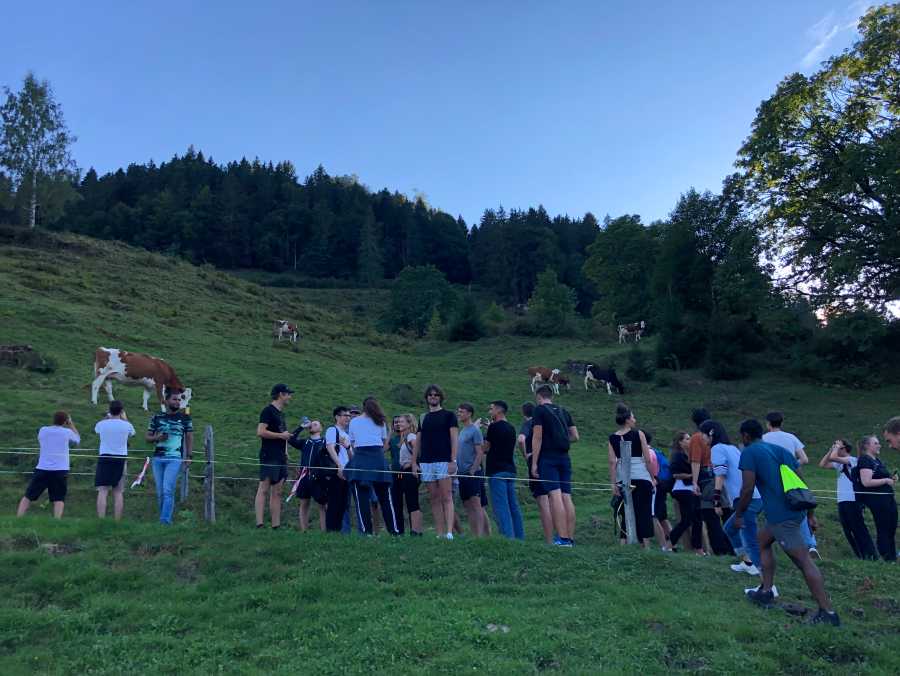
635, 330
283, 329
541, 374
134, 368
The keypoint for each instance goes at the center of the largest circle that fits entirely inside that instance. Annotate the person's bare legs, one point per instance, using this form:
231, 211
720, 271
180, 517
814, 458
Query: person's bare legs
415, 521
102, 495
558, 513
543, 503
260, 503
766, 558
811, 573
275, 504
474, 515
322, 518
58, 508
303, 515
437, 508
119, 500
446, 495
24, 504
485, 522
569, 507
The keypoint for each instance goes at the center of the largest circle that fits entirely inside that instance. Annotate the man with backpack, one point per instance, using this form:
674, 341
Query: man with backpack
760, 466
553, 432
337, 495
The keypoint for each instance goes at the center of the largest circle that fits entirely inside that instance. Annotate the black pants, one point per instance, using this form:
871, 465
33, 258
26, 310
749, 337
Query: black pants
393, 518
884, 511
405, 489
336, 502
717, 538
854, 525
689, 508
642, 497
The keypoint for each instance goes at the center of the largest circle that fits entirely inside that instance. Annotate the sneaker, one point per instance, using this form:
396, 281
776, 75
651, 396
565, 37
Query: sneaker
740, 567
756, 589
557, 540
814, 553
824, 617
449, 536
760, 597
750, 569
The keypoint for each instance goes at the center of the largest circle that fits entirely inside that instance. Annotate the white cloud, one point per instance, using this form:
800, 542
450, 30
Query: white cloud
826, 29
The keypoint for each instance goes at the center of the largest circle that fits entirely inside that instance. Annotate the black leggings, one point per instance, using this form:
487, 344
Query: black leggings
854, 525
336, 505
393, 518
884, 511
642, 497
405, 489
689, 508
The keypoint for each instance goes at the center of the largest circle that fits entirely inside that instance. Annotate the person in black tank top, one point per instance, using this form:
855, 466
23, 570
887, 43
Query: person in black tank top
638, 456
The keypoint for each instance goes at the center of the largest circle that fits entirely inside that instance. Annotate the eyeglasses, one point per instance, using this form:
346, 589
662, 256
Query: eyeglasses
432, 394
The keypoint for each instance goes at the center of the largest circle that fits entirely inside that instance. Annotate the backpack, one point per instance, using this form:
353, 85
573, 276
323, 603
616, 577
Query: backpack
796, 493
555, 413
665, 474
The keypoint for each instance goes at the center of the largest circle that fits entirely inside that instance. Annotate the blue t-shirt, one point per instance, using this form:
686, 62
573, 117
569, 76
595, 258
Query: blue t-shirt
765, 460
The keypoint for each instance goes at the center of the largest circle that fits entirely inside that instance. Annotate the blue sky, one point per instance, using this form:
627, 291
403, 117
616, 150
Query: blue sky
609, 107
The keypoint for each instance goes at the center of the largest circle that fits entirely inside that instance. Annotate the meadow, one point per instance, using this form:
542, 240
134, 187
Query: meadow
104, 597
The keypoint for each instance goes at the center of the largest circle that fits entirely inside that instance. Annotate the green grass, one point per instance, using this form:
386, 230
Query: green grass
226, 597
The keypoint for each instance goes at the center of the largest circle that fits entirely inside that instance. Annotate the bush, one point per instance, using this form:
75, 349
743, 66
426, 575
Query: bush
467, 325
725, 353
416, 296
551, 308
404, 394
639, 367
663, 379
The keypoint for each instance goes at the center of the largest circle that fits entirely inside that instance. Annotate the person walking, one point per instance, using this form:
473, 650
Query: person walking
553, 433
406, 485
538, 491
52, 471
368, 471
683, 494
500, 449
469, 456
114, 432
850, 509
703, 485
337, 446
661, 490
273, 470
876, 488
628, 444
760, 465
434, 459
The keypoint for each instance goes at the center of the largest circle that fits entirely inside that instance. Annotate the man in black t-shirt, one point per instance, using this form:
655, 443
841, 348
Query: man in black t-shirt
434, 459
538, 490
500, 447
553, 433
273, 434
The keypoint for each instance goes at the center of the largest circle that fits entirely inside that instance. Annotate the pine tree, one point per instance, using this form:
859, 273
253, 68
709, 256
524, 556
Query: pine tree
369, 260
467, 324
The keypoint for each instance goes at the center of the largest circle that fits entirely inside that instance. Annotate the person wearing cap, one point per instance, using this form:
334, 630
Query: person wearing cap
273, 435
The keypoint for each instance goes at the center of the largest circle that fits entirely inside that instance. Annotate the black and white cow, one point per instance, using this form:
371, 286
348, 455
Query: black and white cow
603, 376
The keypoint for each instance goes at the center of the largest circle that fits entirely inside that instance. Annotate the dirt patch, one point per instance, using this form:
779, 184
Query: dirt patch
148, 551
61, 548
890, 606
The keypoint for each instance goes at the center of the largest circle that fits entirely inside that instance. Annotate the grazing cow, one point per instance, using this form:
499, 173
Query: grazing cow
541, 374
601, 376
133, 368
635, 330
562, 381
283, 329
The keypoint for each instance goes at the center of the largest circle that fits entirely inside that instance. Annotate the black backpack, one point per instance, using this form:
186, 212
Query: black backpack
556, 414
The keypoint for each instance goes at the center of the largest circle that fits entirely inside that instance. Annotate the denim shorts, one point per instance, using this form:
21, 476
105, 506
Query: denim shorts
433, 471
555, 472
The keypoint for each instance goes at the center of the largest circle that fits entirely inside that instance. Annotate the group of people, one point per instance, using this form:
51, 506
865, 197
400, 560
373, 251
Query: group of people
363, 466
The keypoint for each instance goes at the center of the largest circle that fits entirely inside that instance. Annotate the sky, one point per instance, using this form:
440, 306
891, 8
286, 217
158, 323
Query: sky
607, 107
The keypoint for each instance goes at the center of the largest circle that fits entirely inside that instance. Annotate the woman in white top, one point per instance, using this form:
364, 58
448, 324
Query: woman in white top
850, 510
628, 444
368, 470
405, 488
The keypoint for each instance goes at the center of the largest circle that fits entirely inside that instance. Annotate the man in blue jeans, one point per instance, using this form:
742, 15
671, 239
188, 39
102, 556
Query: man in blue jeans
552, 433
172, 433
500, 450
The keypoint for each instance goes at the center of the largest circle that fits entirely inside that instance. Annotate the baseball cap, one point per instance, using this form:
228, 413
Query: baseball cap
279, 388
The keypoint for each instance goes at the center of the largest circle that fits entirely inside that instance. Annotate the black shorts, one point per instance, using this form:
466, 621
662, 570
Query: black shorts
110, 470
536, 487
275, 471
55, 482
311, 488
472, 486
660, 508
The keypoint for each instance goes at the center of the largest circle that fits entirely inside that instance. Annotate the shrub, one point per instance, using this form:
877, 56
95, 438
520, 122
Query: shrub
467, 325
725, 353
639, 367
404, 394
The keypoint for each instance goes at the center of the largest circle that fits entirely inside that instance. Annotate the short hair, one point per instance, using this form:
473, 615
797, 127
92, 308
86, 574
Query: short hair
528, 409
752, 428
775, 418
339, 410
623, 413
499, 403
544, 391
60, 418
467, 406
716, 431
700, 416
169, 391
116, 407
892, 426
436, 389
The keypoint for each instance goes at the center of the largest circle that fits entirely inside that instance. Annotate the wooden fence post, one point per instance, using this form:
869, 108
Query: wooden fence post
625, 480
209, 480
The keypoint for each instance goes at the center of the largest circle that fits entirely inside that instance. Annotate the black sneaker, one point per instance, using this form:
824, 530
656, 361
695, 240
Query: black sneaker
824, 617
761, 598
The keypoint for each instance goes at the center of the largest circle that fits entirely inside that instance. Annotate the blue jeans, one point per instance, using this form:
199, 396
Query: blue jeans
506, 505
808, 536
165, 474
743, 540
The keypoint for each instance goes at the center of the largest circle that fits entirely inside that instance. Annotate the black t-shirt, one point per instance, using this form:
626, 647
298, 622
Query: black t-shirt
879, 471
311, 451
633, 436
680, 463
434, 436
500, 457
555, 423
272, 449
527, 429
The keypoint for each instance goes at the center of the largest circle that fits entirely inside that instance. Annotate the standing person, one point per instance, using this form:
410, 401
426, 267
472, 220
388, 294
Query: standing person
850, 510
434, 459
172, 434
776, 435
703, 484
368, 471
876, 488
760, 466
627, 436
114, 431
337, 446
469, 456
538, 492
892, 432
52, 471
309, 488
406, 484
726, 467
683, 493
553, 432
664, 482
273, 435
500, 447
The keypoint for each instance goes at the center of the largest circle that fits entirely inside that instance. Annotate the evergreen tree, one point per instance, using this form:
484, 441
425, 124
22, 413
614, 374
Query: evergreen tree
467, 324
370, 264
551, 309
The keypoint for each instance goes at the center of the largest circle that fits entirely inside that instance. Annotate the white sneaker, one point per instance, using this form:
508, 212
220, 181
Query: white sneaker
739, 567
751, 569
774, 590
814, 553
449, 536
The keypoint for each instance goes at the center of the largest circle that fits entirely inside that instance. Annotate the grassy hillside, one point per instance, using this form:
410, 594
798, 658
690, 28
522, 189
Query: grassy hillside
228, 597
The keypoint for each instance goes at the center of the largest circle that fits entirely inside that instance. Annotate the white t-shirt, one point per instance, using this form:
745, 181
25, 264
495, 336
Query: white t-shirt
332, 435
406, 449
54, 442
784, 439
364, 432
845, 492
114, 433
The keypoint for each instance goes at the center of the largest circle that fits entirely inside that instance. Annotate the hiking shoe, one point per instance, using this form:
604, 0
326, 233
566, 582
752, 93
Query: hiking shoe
760, 597
824, 617
814, 553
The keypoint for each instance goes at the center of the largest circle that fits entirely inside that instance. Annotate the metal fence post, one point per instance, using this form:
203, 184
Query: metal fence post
625, 479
